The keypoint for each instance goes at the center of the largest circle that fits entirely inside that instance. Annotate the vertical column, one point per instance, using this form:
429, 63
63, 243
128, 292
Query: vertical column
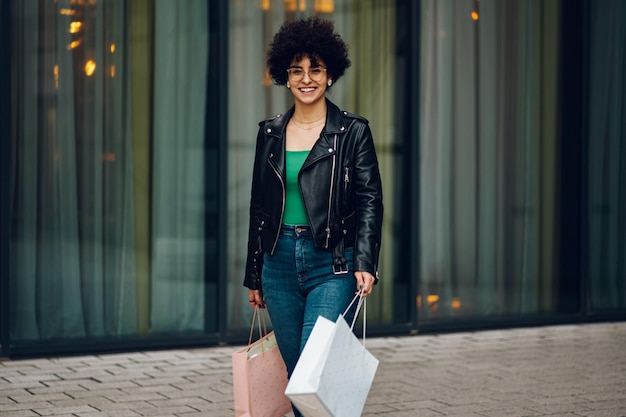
5, 163
141, 60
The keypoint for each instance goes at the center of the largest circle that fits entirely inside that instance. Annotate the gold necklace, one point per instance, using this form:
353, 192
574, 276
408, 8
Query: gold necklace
311, 127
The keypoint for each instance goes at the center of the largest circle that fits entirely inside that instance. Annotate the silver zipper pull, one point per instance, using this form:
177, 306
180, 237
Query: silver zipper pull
327, 237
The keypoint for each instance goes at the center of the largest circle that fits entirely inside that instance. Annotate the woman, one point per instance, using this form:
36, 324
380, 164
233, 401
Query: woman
316, 206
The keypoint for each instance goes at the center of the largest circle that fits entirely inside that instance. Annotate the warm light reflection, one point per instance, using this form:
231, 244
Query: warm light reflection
324, 6
56, 77
108, 157
290, 5
432, 303
474, 15
112, 47
67, 12
74, 44
265, 5
112, 71
75, 27
90, 67
303, 5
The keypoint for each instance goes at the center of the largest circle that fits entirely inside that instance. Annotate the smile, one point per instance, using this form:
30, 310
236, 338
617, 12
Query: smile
307, 89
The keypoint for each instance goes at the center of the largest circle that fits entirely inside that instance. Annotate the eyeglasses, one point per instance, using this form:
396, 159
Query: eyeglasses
297, 74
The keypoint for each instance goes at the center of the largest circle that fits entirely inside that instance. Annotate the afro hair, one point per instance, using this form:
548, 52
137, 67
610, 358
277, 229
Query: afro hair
311, 37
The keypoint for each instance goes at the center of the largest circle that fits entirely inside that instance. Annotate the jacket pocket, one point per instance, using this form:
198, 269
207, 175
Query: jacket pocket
347, 185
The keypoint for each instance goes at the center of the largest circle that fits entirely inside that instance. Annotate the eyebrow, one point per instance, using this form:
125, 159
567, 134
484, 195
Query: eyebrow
299, 67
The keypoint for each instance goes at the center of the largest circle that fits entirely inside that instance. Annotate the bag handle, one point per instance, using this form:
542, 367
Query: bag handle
258, 316
362, 302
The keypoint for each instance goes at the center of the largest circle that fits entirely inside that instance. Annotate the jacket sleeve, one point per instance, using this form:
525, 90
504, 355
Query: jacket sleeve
254, 260
369, 203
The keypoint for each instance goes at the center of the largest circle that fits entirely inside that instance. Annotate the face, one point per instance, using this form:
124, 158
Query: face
308, 82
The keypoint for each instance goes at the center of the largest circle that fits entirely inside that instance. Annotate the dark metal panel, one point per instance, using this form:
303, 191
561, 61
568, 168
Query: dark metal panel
408, 260
216, 310
5, 162
572, 281
414, 154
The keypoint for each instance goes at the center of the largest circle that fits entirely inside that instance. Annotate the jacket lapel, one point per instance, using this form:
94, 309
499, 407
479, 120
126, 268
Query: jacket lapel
275, 131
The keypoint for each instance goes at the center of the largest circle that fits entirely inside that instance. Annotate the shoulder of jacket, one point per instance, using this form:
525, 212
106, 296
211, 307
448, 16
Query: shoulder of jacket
354, 116
269, 120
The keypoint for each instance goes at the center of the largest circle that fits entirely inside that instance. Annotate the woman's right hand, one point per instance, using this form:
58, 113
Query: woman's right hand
256, 299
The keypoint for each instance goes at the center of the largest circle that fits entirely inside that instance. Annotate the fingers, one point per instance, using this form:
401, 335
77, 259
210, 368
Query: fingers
255, 299
364, 282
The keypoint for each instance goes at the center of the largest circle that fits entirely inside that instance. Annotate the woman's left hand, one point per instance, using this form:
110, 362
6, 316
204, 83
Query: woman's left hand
364, 280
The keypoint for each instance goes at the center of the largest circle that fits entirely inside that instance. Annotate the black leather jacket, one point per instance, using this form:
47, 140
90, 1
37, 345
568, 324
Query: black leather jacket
340, 185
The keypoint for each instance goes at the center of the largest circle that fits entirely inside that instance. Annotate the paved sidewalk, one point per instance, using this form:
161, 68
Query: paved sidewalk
572, 370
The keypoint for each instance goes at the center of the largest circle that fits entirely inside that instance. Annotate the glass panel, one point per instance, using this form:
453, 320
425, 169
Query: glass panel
178, 166
607, 157
369, 88
488, 113
72, 243
108, 169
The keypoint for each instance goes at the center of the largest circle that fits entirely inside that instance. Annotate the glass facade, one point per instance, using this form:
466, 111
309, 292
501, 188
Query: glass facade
128, 133
605, 199
113, 183
489, 156
371, 88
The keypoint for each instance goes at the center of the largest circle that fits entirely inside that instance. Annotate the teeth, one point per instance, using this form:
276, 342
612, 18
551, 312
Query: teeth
306, 90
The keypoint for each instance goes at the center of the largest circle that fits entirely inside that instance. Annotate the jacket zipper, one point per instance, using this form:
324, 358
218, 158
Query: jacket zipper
330, 195
346, 179
282, 211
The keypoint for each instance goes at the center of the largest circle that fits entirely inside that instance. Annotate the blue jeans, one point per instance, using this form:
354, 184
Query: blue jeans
299, 285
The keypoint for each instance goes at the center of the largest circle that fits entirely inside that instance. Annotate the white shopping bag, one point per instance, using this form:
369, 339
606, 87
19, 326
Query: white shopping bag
334, 373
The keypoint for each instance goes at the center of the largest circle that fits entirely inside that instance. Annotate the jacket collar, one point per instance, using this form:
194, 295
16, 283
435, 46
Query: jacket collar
335, 122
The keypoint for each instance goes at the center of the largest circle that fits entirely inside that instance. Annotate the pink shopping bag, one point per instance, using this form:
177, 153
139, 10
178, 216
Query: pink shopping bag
260, 376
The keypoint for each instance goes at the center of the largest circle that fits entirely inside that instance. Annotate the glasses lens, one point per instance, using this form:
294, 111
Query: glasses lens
297, 74
316, 74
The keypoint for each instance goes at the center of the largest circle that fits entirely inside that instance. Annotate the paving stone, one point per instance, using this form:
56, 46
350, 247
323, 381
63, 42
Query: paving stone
613, 412
23, 406
57, 411
30, 398
23, 413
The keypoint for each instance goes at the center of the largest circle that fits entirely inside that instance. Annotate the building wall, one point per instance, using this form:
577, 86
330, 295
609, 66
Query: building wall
129, 133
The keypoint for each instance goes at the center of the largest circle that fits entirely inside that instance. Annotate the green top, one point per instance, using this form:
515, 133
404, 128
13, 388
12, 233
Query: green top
294, 205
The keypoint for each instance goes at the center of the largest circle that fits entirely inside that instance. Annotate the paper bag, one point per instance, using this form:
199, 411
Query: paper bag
334, 373
259, 379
